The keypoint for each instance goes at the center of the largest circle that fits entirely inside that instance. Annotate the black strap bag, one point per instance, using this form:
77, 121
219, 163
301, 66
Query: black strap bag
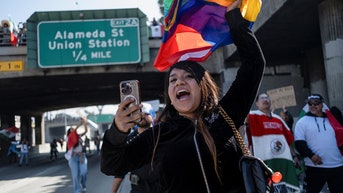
256, 174
258, 177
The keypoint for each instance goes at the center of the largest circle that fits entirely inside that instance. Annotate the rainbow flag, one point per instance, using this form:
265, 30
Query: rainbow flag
194, 29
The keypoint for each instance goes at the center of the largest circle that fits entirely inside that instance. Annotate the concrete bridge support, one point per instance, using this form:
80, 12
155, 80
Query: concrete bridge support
331, 22
39, 129
314, 75
7, 120
25, 128
31, 129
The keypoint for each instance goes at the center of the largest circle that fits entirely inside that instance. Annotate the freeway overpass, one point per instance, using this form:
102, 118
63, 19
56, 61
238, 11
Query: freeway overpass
301, 39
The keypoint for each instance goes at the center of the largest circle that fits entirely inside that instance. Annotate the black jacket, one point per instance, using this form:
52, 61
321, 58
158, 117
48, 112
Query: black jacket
176, 156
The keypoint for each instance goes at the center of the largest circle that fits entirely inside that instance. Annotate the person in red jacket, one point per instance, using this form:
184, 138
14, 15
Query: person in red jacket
77, 160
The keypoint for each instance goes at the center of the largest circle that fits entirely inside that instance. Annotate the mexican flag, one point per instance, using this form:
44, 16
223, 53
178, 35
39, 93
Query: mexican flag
9, 132
306, 109
269, 138
14, 32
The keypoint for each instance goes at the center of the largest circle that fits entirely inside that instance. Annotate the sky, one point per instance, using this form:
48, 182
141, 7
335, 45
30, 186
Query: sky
21, 10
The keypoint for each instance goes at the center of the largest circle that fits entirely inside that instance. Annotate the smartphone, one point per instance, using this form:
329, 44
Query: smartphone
130, 88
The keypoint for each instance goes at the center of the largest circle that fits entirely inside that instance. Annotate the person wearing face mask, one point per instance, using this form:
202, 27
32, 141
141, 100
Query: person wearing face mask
188, 147
270, 139
316, 141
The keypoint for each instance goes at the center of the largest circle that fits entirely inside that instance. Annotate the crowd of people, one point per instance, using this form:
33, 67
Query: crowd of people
283, 144
18, 151
78, 146
190, 148
12, 34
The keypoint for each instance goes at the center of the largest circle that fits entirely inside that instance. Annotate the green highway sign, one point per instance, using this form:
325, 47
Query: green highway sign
88, 42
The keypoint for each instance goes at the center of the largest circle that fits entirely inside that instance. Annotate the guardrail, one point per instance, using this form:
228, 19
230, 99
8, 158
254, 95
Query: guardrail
5, 38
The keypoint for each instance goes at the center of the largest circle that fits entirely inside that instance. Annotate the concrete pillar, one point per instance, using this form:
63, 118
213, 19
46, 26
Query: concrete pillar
40, 129
25, 127
331, 28
314, 72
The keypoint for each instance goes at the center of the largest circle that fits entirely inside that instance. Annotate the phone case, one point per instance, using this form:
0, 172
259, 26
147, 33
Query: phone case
130, 88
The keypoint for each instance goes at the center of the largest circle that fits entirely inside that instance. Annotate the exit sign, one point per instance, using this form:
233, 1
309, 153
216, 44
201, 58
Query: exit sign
88, 42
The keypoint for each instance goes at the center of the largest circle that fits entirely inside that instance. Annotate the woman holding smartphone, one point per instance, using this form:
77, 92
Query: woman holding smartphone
189, 146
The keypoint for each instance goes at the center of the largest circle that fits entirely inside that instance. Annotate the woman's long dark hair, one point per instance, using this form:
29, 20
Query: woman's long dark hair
209, 101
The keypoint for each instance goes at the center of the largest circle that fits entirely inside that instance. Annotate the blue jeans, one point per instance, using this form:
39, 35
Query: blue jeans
78, 168
26, 155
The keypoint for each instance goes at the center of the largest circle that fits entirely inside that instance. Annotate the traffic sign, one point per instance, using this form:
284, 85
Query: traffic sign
88, 42
11, 66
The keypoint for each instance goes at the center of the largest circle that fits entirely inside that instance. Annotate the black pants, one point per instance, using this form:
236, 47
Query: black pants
53, 153
316, 178
12, 157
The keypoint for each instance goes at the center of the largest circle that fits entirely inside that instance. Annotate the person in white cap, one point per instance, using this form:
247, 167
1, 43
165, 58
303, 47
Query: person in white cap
316, 142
